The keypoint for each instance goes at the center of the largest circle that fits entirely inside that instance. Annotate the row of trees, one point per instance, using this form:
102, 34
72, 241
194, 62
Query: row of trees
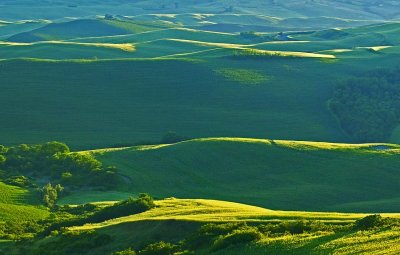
368, 108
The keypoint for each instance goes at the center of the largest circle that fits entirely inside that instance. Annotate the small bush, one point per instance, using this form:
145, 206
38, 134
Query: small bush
292, 227
243, 235
369, 222
160, 248
20, 181
124, 208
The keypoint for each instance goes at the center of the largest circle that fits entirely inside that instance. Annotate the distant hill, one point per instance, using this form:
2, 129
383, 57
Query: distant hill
354, 9
83, 28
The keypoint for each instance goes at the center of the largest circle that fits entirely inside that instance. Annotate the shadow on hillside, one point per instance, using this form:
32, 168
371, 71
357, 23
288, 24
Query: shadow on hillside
320, 241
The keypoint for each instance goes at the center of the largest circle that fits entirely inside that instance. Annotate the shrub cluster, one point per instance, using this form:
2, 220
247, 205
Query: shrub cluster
55, 162
74, 242
124, 208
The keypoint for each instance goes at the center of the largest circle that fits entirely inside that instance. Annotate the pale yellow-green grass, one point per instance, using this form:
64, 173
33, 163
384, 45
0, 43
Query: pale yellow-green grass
300, 145
186, 54
210, 44
386, 241
245, 48
367, 147
97, 151
138, 148
280, 42
171, 16
202, 210
336, 50
120, 46
295, 54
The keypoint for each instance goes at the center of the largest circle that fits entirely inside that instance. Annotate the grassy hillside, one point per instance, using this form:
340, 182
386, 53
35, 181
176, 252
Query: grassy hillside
84, 28
244, 86
274, 174
18, 204
203, 210
182, 221
136, 77
9, 29
124, 102
153, 39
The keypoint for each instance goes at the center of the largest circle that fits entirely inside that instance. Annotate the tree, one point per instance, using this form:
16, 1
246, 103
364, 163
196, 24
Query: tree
3, 149
50, 194
52, 148
368, 108
160, 248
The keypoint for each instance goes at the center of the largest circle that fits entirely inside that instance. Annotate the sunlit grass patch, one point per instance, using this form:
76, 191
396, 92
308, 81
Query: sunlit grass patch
120, 46
382, 241
272, 53
244, 76
309, 145
202, 210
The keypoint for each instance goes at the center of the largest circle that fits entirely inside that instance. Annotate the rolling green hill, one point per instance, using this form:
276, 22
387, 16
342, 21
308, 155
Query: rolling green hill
355, 9
124, 102
275, 174
148, 79
155, 39
8, 29
289, 100
84, 28
182, 221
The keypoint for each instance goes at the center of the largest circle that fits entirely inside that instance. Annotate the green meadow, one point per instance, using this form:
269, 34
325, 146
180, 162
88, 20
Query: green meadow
98, 74
199, 127
122, 102
275, 174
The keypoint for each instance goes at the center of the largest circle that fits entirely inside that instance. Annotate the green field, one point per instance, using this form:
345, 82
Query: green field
207, 83
274, 174
122, 102
242, 119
